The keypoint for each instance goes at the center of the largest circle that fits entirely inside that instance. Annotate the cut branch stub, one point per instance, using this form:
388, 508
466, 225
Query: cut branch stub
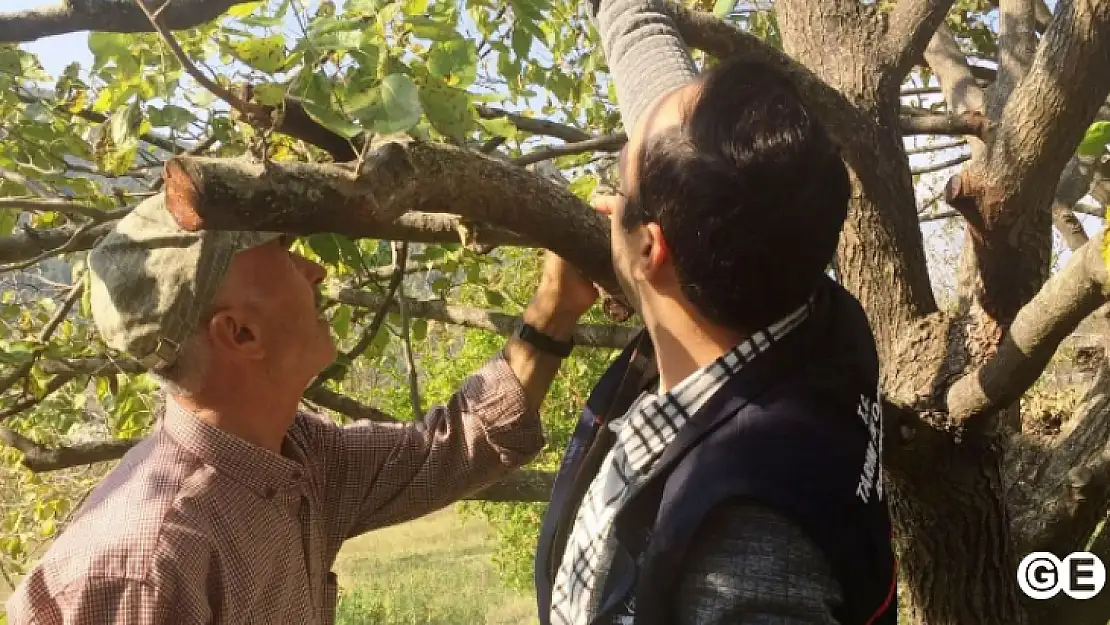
396, 178
235, 194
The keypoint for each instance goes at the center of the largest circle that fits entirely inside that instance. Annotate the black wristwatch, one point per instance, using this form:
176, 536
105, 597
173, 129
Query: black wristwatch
543, 342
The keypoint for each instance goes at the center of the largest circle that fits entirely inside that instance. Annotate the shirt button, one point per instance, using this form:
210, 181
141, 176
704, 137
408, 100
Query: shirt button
270, 492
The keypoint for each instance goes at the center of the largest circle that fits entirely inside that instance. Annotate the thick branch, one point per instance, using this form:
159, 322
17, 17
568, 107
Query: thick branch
911, 25
121, 16
1050, 109
1037, 330
960, 124
585, 335
1016, 44
206, 193
40, 458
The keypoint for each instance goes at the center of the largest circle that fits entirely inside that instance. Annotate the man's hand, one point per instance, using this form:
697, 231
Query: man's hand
562, 297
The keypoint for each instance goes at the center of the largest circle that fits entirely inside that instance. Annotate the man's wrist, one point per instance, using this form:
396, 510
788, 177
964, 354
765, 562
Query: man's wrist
550, 320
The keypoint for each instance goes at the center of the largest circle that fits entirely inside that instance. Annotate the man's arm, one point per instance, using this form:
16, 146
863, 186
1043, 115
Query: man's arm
645, 53
108, 599
379, 474
752, 566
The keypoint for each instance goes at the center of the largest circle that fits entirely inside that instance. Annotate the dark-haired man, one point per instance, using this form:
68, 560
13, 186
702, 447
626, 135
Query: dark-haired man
743, 484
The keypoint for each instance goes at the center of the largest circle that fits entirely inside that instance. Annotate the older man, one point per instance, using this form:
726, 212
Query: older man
234, 508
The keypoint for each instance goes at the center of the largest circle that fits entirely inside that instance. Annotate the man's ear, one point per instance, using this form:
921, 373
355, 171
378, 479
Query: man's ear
654, 252
234, 334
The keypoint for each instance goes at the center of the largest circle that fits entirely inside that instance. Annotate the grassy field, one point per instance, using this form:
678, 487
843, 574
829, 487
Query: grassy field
433, 571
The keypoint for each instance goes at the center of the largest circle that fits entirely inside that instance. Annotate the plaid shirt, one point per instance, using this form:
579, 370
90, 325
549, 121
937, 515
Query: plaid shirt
198, 526
643, 434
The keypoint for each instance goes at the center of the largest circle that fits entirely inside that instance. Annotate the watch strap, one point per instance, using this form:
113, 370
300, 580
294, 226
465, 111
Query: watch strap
529, 334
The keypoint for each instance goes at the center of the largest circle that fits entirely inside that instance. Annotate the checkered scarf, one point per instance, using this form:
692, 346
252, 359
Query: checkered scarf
643, 434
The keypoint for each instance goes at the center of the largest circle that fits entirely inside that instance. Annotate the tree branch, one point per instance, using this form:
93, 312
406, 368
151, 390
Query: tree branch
585, 335
1016, 45
519, 486
961, 89
536, 126
206, 193
941, 166
99, 118
400, 253
217, 90
1049, 109
40, 458
606, 143
66, 207
910, 27
1037, 330
969, 123
120, 16
44, 337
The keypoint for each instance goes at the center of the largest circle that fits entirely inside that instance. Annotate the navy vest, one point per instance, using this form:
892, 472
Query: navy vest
798, 429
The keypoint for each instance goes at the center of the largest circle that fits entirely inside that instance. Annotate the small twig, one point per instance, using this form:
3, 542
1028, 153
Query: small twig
928, 169
55, 383
7, 578
605, 143
926, 149
400, 251
371, 331
217, 90
68, 246
67, 207
44, 336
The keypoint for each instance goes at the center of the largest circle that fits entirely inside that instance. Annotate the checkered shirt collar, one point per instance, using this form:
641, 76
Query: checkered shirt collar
655, 419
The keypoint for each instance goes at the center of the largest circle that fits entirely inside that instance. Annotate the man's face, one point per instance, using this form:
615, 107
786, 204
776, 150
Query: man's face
271, 297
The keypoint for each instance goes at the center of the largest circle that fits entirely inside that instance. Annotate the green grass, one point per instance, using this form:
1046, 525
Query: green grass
434, 570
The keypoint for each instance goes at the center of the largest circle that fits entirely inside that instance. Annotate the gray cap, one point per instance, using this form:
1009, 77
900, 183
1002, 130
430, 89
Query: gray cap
150, 280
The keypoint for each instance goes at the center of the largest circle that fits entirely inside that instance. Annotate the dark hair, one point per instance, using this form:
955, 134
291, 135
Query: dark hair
750, 193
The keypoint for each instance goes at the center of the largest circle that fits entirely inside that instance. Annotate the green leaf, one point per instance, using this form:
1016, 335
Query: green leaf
448, 109
494, 298
430, 28
341, 322
10, 62
418, 330
107, 46
171, 116
331, 120
244, 10
723, 7
522, 42
125, 124
269, 94
400, 104
1095, 140
266, 54
454, 58
325, 247
37, 111
500, 127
